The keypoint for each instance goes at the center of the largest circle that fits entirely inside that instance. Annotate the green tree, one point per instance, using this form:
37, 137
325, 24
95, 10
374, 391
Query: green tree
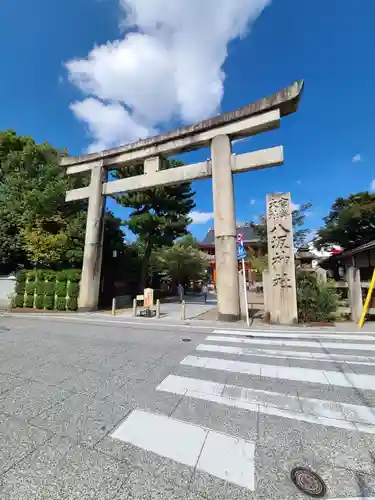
159, 215
350, 223
37, 225
298, 220
32, 201
181, 263
189, 241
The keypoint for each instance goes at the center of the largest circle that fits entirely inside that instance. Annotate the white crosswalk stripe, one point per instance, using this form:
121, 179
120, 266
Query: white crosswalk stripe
268, 353
292, 335
286, 343
325, 360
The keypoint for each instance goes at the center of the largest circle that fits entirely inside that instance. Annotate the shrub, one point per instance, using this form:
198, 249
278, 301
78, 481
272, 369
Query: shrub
18, 301
72, 304
73, 275
60, 304
21, 276
30, 287
39, 302
39, 287
29, 301
49, 275
20, 287
48, 302
31, 275
316, 301
73, 290
60, 289
49, 288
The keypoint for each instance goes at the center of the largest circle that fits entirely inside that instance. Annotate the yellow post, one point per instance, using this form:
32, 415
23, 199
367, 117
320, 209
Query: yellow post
367, 302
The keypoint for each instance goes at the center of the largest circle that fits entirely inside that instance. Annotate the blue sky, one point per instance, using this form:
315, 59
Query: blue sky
329, 144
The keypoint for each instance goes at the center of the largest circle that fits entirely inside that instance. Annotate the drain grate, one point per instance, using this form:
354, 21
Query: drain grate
308, 482
186, 340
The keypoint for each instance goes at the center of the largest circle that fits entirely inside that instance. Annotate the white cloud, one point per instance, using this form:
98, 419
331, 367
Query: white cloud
372, 186
108, 124
294, 206
201, 217
299, 182
252, 202
167, 66
357, 158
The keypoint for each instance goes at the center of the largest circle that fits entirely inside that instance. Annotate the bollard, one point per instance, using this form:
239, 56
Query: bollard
134, 308
114, 306
158, 308
183, 310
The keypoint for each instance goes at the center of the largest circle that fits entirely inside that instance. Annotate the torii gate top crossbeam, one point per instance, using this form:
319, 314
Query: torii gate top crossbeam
192, 136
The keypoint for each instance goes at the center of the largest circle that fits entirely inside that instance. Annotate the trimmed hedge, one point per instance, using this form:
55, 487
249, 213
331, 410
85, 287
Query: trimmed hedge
29, 302
39, 302
47, 289
18, 301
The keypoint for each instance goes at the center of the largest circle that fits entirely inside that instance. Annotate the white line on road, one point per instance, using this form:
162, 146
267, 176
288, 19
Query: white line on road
223, 456
288, 335
307, 356
287, 343
316, 411
325, 377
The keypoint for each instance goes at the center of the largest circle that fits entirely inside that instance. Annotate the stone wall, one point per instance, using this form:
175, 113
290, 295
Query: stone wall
7, 288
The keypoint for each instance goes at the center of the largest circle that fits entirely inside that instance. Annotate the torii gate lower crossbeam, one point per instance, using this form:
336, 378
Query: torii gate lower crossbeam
217, 133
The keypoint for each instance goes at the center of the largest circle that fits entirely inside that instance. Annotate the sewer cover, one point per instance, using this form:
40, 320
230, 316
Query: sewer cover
308, 482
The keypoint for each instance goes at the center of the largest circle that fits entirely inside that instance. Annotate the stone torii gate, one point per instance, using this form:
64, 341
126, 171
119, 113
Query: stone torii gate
216, 133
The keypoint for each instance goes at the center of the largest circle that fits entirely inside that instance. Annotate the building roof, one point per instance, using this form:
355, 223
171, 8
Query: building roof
348, 253
248, 231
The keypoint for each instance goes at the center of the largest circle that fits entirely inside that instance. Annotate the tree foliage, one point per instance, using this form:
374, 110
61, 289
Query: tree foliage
37, 225
159, 215
181, 263
350, 223
298, 220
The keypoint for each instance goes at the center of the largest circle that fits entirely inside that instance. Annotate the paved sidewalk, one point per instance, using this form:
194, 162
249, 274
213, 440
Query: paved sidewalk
127, 411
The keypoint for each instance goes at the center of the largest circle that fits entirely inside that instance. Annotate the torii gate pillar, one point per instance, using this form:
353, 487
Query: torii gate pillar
225, 229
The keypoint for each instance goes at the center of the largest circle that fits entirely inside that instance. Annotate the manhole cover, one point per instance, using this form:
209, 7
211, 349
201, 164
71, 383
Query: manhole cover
186, 340
308, 482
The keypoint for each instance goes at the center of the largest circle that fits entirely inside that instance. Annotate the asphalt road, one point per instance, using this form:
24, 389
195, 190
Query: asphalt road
115, 412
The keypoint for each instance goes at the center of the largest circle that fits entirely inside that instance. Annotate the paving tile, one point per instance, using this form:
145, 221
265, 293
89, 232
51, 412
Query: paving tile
8, 382
92, 383
17, 440
207, 487
38, 476
30, 399
82, 418
62, 470
233, 421
52, 374
153, 477
21, 364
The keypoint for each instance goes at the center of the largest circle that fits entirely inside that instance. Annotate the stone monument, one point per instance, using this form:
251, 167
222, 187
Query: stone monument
281, 289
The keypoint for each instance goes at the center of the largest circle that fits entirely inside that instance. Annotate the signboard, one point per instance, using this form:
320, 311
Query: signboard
240, 238
148, 298
139, 297
241, 252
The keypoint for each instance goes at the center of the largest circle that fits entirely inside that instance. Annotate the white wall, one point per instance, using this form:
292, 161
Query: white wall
7, 287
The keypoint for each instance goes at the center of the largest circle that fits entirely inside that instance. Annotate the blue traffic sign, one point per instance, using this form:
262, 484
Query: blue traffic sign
241, 252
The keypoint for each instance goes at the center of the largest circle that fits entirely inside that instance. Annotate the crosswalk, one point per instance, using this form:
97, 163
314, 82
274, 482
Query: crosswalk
330, 361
